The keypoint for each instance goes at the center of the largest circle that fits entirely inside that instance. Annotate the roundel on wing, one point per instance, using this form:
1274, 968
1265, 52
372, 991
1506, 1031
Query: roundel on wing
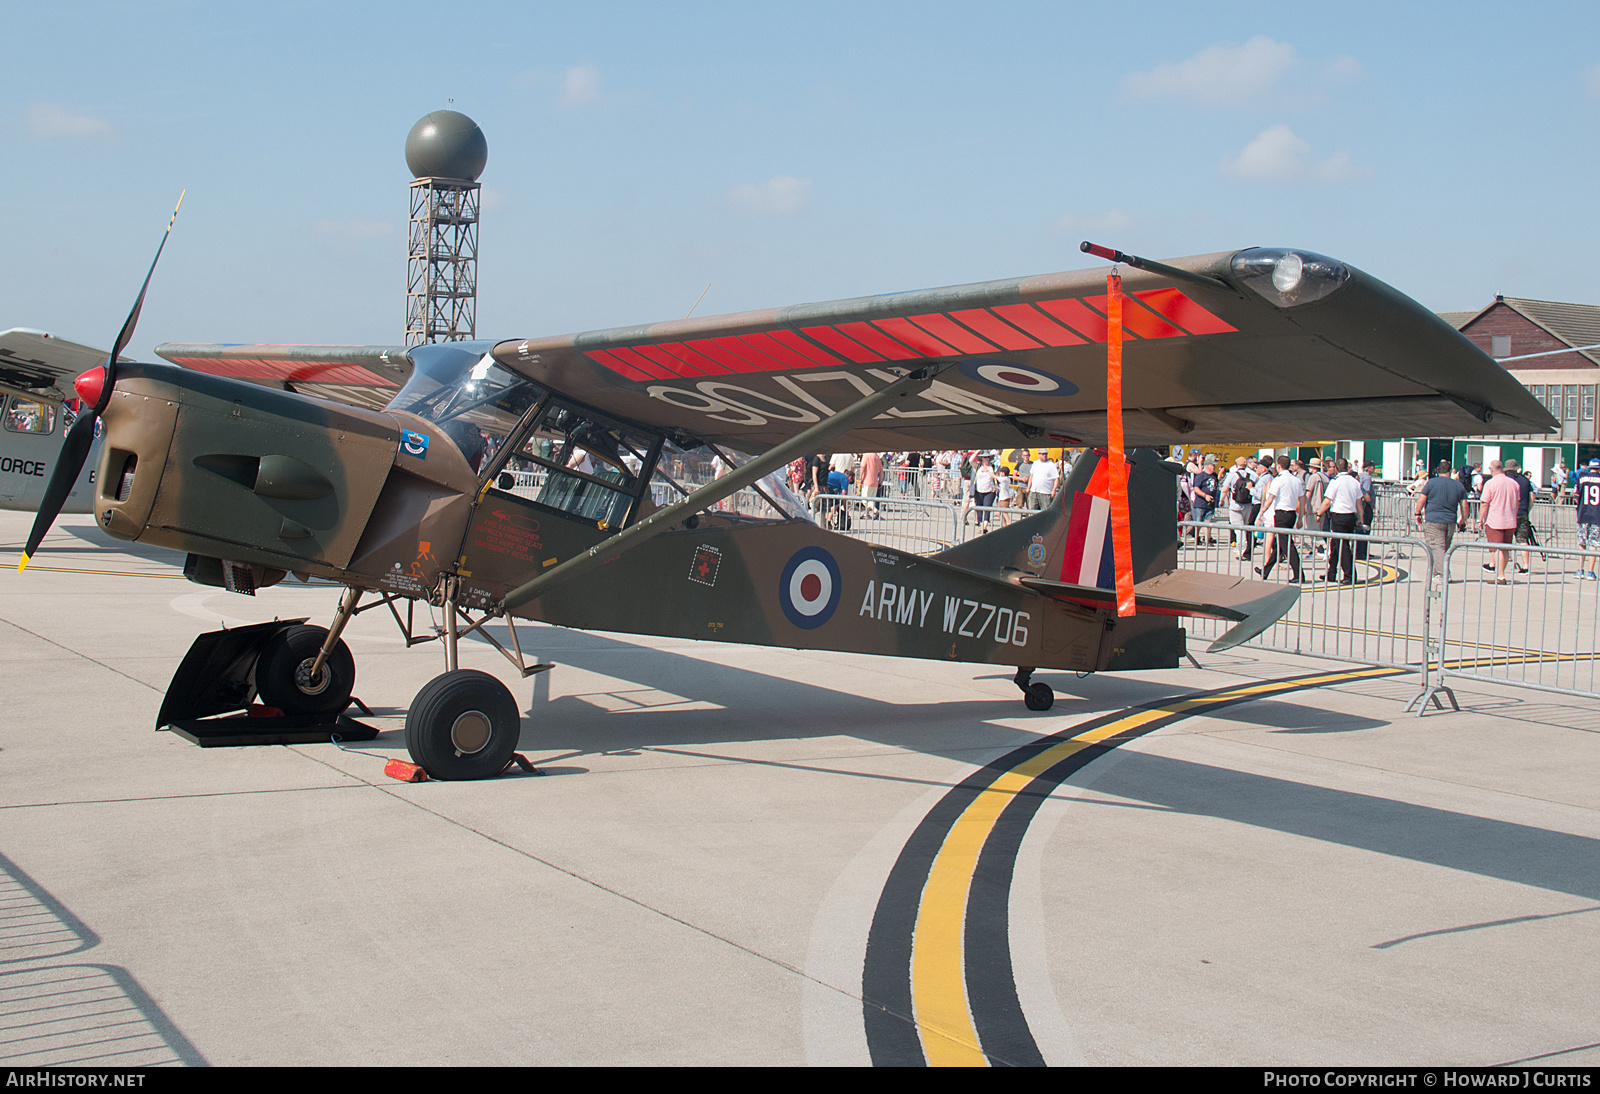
1004, 374
809, 587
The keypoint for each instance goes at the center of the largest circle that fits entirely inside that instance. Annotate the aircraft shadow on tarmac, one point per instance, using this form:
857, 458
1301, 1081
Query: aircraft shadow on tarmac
754, 706
1281, 717
1522, 854
71, 1014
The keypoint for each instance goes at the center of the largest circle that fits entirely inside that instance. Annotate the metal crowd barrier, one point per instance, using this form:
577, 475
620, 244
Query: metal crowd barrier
973, 521
1541, 629
906, 524
1392, 509
526, 484
1555, 523
1382, 618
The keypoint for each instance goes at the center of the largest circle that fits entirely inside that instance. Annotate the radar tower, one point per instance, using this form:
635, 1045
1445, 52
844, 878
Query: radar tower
446, 153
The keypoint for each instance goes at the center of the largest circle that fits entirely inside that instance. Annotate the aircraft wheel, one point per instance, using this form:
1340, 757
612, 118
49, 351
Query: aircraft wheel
1039, 697
283, 673
463, 725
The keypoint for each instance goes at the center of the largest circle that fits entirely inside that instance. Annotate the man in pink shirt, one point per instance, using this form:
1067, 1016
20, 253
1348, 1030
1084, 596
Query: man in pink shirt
872, 480
1497, 517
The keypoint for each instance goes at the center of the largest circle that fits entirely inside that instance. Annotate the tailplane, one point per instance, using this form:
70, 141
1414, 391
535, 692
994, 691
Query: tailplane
1065, 552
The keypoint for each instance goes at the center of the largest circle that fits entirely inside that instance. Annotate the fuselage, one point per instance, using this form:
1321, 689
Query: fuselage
31, 434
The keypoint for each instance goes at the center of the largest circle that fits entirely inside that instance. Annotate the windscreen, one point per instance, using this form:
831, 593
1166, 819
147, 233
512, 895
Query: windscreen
474, 400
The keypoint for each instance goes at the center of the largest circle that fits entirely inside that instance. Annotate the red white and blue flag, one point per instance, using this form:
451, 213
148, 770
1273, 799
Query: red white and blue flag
1089, 558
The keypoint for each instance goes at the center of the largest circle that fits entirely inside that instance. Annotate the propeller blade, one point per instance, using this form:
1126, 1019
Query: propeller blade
75, 448
133, 316
68, 464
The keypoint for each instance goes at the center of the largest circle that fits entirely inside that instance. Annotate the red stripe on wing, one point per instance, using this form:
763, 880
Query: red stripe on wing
1144, 323
994, 329
1090, 324
903, 330
1038, 324
733, 353
643, 363
842, 345
784, 358
616, 364
666, 360
1184, 312
693, 357
952, 332
807, 349
875, 340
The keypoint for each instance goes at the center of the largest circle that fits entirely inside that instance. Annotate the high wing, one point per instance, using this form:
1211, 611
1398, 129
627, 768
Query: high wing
365, 376
37, 365
1227, 347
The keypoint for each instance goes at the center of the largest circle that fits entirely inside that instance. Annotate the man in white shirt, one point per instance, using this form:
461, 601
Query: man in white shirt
1042, 479
1237, 508
1283, 503
1341, 505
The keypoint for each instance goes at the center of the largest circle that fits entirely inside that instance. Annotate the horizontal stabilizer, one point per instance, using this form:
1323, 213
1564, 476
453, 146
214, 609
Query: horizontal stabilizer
1251, 605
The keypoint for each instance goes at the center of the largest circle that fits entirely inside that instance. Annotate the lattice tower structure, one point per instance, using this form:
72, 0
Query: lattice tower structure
442, 270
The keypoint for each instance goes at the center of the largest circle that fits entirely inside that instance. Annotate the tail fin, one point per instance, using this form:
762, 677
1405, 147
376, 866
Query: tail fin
1070, 541
1065, 552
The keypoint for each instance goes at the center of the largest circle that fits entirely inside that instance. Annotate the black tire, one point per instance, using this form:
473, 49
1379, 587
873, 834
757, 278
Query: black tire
1039, 697
463, 725
281, 673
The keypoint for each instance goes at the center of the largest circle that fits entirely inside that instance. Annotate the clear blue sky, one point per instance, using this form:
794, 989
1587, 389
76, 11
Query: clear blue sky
781, 153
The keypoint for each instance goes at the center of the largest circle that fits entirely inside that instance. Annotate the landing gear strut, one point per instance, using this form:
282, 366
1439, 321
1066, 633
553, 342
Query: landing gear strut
1036, 696
465, 724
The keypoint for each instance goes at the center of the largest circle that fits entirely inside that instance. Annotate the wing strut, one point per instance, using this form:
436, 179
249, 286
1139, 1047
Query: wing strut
769, 461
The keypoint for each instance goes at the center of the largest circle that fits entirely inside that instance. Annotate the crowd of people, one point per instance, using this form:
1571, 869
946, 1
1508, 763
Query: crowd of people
986, 488
1499, 504
1561, 484
1266, 499
1281, 494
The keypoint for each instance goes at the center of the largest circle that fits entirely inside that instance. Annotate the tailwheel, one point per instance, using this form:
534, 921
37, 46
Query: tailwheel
284, 679
463, 725
1035, 696
1039, 697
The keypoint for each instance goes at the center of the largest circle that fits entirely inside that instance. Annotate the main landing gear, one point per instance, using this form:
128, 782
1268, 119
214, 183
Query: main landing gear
285, 678
465, 724
1036, 696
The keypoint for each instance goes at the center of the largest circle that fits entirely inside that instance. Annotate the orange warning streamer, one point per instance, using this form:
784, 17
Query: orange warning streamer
1121, 533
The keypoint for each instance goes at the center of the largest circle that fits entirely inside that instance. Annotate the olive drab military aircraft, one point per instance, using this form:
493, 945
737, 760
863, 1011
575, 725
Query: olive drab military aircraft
628, 479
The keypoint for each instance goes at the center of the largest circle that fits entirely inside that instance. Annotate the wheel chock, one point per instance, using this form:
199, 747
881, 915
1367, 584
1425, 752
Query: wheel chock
405, 772
521, 761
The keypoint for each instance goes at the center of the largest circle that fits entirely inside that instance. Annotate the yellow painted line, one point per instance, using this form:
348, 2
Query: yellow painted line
938, 969
36, 568
938, 977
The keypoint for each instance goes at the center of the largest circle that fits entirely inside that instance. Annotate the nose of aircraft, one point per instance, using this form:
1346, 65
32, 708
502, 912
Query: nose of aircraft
91, 386
75, 448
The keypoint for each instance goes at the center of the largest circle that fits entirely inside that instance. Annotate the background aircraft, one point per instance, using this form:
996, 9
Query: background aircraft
36, 371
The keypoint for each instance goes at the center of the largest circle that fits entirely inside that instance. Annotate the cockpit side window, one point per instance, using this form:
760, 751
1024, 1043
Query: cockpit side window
581, 463
28, 416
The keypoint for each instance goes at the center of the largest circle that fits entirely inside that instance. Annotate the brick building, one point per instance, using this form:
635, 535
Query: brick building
1513, 327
